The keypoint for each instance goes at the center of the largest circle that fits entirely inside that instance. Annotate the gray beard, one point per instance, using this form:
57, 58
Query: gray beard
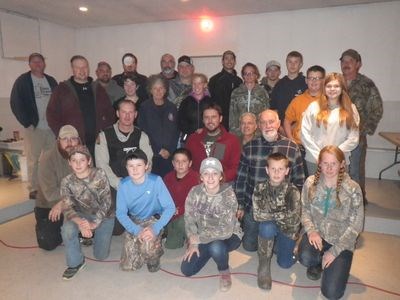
271, 137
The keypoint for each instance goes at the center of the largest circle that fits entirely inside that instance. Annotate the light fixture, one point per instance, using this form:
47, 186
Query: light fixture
206, 24
83, 8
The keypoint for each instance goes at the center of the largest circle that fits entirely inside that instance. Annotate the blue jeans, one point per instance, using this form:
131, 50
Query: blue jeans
334, 277
102, 240
250, 232
284, 245
357, 163
217, 250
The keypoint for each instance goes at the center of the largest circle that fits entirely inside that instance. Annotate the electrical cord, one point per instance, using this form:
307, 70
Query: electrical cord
217, 275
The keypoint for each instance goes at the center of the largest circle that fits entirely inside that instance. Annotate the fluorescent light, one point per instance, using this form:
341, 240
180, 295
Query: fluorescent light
83, 8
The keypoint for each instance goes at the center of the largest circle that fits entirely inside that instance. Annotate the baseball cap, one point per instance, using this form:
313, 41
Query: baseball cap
136, 153
128, 59
211, 163
67, 131
185, 59
352, 53
82, 149
272, 63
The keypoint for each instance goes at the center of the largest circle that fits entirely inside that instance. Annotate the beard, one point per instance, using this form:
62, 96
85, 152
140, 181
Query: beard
168, 71
271, 135
64, 152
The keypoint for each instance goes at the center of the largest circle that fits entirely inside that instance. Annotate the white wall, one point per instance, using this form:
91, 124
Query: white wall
57, 45
320, 34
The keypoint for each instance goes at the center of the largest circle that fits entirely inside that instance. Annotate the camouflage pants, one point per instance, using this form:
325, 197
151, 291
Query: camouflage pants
136, 253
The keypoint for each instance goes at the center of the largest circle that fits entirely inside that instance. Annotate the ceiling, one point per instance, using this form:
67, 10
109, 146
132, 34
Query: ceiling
120, 12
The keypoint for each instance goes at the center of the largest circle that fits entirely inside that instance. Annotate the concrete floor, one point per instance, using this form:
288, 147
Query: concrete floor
31, 273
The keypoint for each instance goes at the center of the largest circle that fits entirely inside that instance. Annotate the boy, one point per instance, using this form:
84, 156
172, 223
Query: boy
144, 207
87, 209
179, 182
276, 206
290, 86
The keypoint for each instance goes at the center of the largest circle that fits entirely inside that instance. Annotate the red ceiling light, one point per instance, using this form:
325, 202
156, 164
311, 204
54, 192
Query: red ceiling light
206, 24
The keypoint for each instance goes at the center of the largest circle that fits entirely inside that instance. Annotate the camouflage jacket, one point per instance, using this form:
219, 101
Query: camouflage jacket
211, 217
366, 97
338, 225
280, 204
89, 196
240, 104
178, 91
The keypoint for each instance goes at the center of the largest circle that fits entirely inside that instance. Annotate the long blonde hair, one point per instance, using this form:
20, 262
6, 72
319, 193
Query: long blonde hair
335, 151
346, 114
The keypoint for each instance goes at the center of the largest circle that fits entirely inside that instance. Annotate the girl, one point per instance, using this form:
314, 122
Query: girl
333, 217
331, 120
210, 222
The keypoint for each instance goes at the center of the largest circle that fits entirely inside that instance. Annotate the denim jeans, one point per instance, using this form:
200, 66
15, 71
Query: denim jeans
250, 232
284, 245
102, 240
217, 250
334, 277
357, 163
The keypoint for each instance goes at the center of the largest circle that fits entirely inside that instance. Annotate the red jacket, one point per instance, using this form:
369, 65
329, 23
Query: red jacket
179, 189
227, 149
64, 108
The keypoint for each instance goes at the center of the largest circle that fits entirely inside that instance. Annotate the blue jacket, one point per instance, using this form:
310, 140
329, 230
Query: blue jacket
22, 99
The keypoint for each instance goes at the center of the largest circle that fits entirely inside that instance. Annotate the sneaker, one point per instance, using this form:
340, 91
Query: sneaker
314, 273
153, 267
86, 241
69, 273
225, 282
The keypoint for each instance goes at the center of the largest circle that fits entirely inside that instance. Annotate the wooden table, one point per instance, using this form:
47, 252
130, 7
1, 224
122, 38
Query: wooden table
394, 138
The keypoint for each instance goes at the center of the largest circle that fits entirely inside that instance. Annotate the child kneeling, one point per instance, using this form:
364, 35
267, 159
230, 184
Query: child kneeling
277, 206
144, 207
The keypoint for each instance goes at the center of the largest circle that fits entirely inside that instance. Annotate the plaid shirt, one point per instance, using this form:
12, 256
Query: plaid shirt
254, 160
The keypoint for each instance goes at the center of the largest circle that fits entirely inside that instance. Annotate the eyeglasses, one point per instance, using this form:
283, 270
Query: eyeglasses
314, 78
249, 74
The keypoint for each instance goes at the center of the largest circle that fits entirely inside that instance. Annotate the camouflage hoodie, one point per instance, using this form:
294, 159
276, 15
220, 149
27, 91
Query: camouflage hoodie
211, 217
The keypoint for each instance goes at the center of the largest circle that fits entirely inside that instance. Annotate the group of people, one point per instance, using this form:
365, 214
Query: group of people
210, 165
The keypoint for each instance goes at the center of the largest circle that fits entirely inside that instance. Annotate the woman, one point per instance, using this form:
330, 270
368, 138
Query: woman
212, 228
332, 217
158, 118
130, 89
248, 97
190, 115
331, 120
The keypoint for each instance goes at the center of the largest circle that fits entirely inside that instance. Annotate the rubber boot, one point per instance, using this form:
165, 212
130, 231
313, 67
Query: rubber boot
265, 250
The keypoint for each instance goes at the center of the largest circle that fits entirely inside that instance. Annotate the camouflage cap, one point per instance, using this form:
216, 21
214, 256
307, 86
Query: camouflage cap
211, 163
352, 53
273, 63
82, 149
185, 59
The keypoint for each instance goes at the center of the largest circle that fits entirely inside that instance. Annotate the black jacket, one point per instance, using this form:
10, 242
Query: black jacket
22, 99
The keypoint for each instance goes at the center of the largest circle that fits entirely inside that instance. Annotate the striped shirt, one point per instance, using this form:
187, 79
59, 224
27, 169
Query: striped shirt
254, 160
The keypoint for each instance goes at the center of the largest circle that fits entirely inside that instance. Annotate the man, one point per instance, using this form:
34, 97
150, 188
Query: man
129, 64
29, 98
252, 170
80, 103
290, 86
296, 108
103, 73
53, 168
365, 96
181, 86
272, 73
115, 142
215, 141
223, 83
167, 64
248, 127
